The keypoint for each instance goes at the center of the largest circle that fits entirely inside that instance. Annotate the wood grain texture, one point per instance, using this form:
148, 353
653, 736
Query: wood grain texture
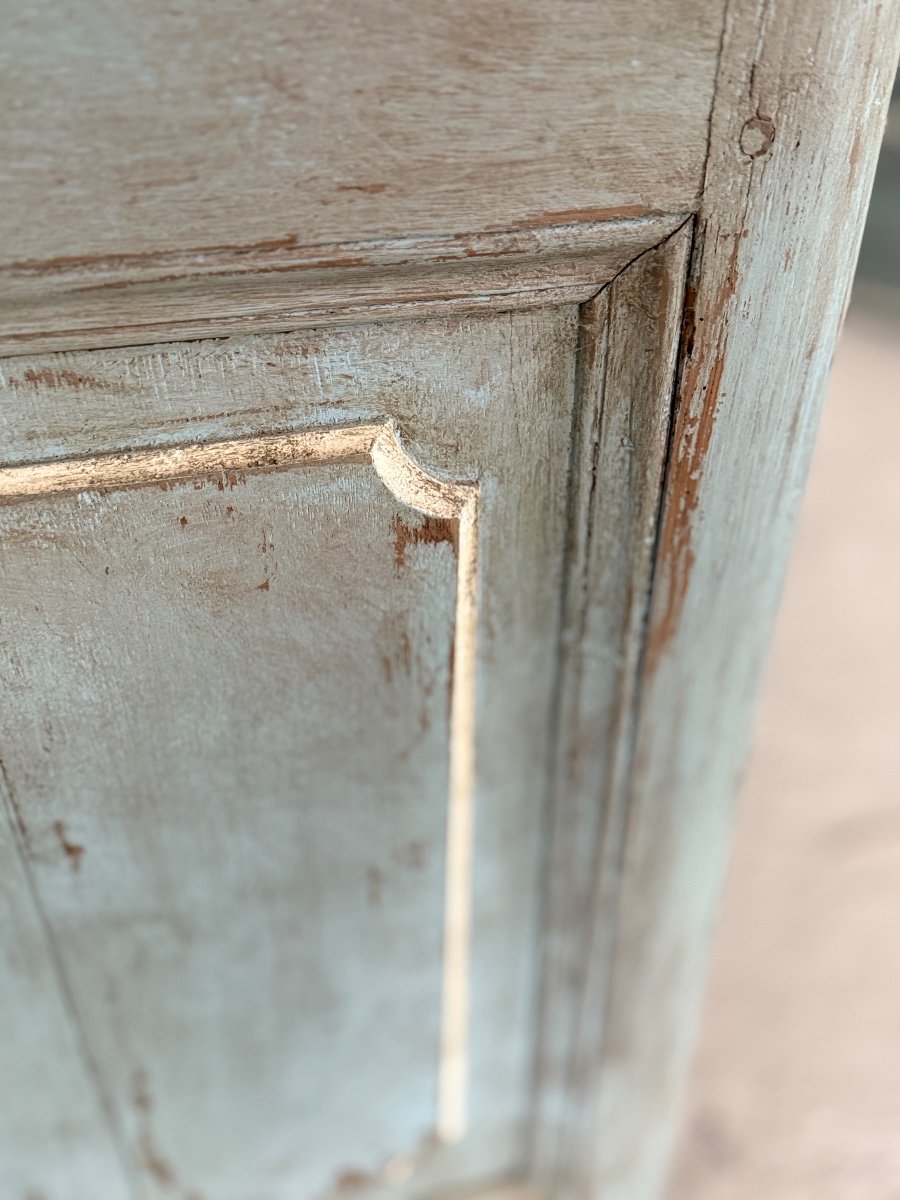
240, 128
220, 169
800, 102
243, 794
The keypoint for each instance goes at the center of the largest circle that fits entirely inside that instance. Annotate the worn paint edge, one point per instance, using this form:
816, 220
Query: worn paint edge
84, 303
377, 442
139, 467
591, 226
412, 485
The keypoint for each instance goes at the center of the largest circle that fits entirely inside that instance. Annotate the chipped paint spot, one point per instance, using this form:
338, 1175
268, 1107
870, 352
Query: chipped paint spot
59, 377
72, 850
374, 886
412, 855
150, 1156
352, 1180
430, 532
574, 216
698, 406
124, 262
369, 189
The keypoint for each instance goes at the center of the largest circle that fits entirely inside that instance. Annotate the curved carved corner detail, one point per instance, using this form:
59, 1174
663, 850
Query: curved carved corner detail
379, 443
414, 486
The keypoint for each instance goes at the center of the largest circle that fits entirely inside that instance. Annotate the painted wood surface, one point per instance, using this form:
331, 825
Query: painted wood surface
241, 734
584, 512
211, 168
55, 1137
485, 403
801, 99
237, 796
125, 300
629, 339
239, 129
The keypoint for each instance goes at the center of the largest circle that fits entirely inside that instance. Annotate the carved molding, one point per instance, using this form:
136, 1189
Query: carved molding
83, 303
625, 394
379, 443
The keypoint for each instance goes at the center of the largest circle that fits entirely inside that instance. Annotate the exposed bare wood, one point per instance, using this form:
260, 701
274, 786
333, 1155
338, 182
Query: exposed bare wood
133, 468
453, 1081
378, 441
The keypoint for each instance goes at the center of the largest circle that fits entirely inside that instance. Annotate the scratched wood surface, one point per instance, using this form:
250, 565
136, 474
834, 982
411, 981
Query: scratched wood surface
53, 1129
234, 796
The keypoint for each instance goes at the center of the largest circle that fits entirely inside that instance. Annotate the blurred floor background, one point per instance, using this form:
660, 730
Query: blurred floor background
795, 1092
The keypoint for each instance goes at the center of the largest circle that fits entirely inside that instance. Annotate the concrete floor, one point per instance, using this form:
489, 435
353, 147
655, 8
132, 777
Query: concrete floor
796, 1087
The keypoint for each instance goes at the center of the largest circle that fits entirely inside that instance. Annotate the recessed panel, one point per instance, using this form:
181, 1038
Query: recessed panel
227, 726
282, 771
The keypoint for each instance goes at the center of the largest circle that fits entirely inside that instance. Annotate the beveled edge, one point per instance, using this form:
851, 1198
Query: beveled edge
274, 287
